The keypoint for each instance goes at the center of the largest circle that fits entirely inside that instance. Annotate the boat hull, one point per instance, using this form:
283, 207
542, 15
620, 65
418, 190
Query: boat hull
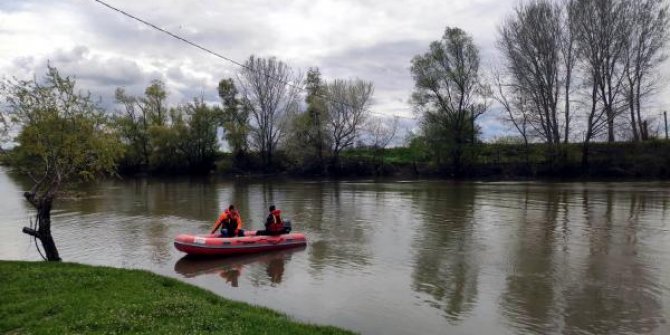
212, 245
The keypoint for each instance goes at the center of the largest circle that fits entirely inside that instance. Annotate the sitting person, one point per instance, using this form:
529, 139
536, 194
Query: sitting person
273, 224
230, 223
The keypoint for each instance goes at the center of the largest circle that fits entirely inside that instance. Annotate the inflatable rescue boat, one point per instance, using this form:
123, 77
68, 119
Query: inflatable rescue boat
213, 244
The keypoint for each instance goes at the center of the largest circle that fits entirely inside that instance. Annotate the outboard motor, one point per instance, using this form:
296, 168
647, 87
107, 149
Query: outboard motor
287, 226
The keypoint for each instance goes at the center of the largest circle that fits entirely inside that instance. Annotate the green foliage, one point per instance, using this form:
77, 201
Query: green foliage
159, 139
307, 145
315, 120
154, 102
43, 298
140, 114
235, 117
197, 135
449, 96
64, 135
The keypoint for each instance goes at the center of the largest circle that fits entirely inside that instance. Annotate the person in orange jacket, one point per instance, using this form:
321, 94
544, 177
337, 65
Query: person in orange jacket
231, 221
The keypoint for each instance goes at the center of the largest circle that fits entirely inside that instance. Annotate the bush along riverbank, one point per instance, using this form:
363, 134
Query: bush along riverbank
645, 160
66, 298
489, 161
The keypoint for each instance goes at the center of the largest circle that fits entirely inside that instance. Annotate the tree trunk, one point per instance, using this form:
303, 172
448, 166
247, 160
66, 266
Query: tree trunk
610, 125
43, 232
644, 137
585, 156
633, 122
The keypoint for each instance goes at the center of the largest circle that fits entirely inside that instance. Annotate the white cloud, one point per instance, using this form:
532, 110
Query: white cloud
372, 40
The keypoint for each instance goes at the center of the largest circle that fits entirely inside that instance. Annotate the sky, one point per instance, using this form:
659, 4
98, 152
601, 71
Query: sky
370, 40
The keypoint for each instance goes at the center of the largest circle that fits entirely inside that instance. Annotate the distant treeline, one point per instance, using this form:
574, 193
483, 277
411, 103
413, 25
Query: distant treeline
645, 160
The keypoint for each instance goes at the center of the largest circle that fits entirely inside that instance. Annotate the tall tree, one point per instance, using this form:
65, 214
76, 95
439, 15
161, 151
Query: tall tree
532, 41
348, 107
138, 116
198, 135
645, 52
317, 114
449, 94
63, 139
269, 91
602, 30
569, 57
154, 102
235, 117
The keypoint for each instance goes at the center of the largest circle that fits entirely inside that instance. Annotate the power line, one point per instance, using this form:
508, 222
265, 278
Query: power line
218, 55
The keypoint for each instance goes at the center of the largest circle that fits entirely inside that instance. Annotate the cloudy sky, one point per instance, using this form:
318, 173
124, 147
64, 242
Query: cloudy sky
371, 40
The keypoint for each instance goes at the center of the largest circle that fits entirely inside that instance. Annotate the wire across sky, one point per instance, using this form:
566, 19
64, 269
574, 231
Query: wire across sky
223, 57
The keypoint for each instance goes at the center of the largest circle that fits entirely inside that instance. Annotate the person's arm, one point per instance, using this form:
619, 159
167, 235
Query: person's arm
218, 222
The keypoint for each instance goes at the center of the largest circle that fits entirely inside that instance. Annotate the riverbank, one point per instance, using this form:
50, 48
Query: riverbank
648, 160
484, 161
62, 298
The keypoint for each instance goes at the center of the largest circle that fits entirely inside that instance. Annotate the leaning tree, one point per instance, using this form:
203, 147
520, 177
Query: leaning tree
62, 139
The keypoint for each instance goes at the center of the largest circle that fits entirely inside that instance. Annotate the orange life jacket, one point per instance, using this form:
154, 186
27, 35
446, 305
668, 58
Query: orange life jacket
233, 219
277, 224
226, 219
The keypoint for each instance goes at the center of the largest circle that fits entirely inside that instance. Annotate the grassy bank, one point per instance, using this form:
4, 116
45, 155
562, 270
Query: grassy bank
59, 298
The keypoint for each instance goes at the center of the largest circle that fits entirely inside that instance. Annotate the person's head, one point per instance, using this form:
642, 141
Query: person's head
272, 208
231, 208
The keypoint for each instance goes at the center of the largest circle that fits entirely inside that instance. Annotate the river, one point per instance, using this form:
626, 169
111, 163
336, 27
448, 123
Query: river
415, 257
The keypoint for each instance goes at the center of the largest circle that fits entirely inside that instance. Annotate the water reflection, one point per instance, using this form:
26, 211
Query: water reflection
394, 258
530, 297
585, 275
231, 268
615, 290
446, 261
332, 216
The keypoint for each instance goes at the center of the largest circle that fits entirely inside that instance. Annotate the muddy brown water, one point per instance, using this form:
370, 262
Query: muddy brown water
416, 257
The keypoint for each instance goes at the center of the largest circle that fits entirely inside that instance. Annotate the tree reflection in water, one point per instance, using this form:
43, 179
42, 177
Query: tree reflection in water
616, 290
529, 298
446, 263
587, 277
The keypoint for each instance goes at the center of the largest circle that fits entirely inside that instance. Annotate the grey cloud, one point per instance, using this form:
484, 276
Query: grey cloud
102, 75
369, 39
94, 69
9, 6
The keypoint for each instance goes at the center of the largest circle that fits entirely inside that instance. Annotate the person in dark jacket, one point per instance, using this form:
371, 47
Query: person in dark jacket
273, 224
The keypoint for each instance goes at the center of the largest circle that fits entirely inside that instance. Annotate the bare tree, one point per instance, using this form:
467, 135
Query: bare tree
381, 132
535, 46
348, 105
602, 30
569, 57
269, 91
645, 52
517, 109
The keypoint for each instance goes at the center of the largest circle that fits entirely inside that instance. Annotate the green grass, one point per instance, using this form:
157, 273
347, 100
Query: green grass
66, 298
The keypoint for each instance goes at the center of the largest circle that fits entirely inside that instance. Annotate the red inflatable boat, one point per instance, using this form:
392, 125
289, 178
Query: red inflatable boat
250, 243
